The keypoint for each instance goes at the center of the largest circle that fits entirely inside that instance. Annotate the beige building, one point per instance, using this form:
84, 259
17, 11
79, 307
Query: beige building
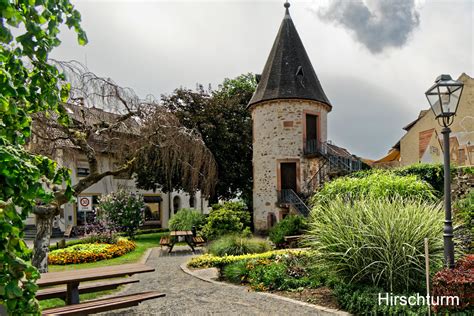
423, 139
291, 155
160, 206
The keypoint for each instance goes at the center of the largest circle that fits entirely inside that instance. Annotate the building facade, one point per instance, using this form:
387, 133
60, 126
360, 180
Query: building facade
423, 141
289, 113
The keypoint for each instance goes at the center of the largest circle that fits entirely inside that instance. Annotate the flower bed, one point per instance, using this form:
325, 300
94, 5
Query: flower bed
210, 261
83, 253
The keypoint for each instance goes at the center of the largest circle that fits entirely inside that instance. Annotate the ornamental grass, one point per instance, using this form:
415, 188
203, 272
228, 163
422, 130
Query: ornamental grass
83, 253
377, 241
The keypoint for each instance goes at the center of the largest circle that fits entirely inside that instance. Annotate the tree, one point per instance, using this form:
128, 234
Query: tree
222, 118
29, 84
108, 122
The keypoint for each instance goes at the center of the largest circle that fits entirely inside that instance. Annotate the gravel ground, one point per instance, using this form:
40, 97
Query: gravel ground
187, 295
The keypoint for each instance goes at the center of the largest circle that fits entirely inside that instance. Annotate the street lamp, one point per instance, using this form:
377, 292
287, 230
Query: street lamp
444, 97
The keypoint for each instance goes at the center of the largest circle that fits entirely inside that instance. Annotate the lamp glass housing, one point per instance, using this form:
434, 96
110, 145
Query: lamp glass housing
444, 96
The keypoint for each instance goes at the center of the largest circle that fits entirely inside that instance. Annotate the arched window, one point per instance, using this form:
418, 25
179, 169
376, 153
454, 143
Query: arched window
176, 204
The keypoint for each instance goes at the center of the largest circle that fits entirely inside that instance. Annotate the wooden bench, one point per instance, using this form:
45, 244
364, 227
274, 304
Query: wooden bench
102, 305
165, 241
198, 241
291, 241
61, 292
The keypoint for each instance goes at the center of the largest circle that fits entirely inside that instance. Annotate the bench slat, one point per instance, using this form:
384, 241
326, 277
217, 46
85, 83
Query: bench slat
60, 292
102, 305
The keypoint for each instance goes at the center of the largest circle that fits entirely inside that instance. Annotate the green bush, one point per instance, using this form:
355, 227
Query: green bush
122, 211
239, 209
287, 272
464, 214
226, 218
375, 185
211, 261
235, 272
379, 242
289, 226
100, 238
363, 300
234, 245
185, 219
431, 173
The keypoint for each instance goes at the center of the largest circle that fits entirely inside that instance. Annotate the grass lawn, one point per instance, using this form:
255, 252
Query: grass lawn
143, 242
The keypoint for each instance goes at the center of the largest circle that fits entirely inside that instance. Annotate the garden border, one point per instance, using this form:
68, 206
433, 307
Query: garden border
320, 309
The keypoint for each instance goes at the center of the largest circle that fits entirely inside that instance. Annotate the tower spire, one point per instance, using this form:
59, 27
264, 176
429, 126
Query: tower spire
287, 6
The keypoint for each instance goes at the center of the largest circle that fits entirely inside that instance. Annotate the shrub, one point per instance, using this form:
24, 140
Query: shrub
456, 282
223, 221
122, 211
290, 225
239, 209
430, 173
286, 272
376, 185
100, 238
363, 300
211, 261
235, 245
464, 213
82, 253
379, 242
185, 219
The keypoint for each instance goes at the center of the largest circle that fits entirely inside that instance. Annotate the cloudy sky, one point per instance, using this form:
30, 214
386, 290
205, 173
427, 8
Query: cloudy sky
374, 58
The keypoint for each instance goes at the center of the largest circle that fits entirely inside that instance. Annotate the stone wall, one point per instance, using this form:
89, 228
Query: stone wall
278, 137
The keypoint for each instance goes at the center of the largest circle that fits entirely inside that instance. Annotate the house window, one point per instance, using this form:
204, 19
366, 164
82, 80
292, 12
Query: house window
176, 204
192, 200
311, 133
82, 169
152, 207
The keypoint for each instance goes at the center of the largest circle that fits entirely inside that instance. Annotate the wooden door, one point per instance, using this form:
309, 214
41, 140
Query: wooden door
311, 127
288, 176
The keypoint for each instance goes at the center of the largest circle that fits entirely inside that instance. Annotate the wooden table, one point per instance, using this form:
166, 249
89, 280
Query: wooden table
188, 238
72, 278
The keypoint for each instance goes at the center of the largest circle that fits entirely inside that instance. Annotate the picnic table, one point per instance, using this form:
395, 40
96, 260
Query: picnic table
173, 239
73, 278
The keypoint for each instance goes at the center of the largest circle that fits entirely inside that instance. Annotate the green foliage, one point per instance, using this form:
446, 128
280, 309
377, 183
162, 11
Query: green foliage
222, 118
185, 219
377, 241
363, 300
235, 245
122, 211
289, 226
101, 238
210, 261
375, 185
431, 173
28, 85
287, 272
464, 214
226, 218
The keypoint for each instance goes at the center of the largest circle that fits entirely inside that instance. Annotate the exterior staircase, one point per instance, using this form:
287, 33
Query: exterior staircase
335, 162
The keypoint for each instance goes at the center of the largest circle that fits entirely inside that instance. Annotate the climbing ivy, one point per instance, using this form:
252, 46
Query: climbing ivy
28, 84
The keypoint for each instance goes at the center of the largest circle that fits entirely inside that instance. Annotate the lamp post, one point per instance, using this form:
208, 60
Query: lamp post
444, 97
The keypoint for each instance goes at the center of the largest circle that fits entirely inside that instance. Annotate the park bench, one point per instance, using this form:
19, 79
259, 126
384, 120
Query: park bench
291, 241
198, 241
102, 305
61, 292
165, 241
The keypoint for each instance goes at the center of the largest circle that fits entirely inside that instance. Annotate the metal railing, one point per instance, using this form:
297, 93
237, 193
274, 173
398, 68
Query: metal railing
290, 197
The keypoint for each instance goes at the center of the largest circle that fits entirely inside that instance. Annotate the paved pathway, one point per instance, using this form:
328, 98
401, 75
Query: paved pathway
187, 295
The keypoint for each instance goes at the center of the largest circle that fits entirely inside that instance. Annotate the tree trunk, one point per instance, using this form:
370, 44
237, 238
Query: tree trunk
44, 224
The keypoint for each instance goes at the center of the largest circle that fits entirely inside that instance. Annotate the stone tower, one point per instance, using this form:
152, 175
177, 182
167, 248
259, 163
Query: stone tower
289, 112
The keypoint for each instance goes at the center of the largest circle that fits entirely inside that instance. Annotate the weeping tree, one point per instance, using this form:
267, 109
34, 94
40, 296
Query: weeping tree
106, 122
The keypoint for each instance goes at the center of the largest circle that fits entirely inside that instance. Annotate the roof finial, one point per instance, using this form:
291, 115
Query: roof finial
287, 5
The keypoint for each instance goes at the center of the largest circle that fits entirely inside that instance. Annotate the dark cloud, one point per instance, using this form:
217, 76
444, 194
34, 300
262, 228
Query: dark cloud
377, 24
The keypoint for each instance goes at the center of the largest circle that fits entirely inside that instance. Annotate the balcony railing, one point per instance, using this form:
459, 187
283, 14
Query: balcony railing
312, 147
291, 198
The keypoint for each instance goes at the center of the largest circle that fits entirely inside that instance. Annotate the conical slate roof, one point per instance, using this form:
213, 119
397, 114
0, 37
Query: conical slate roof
288, 73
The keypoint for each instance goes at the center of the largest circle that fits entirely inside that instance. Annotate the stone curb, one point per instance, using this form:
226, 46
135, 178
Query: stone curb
320, 310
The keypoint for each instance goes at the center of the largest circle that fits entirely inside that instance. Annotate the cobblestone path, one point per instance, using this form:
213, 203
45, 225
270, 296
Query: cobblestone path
187, 295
